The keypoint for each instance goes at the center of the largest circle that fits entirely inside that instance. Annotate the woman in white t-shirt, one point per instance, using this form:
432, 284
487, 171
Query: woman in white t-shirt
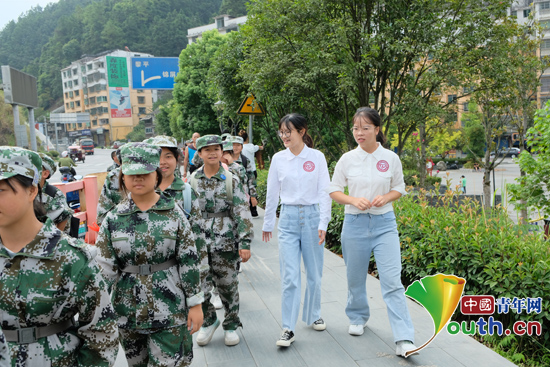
374, 177
299, 176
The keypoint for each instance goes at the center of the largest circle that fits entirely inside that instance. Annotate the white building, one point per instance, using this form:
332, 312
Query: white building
223, 23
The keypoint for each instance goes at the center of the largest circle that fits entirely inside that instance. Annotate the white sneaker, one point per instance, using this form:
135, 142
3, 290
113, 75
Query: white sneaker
206, 333
319, 325
287, 338
357, 330
216, 301
231, 337
405, 348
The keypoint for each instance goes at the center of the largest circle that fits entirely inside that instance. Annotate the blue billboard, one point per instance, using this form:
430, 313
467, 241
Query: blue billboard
154, 72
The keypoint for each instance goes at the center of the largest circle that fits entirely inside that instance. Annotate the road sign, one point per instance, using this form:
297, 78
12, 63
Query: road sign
154, 72
251, 106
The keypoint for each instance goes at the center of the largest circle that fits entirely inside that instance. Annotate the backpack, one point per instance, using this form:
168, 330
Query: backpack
187, 199
228, 184
245, 161
74, 222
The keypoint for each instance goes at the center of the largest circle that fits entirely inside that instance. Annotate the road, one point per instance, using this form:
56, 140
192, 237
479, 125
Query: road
92, 164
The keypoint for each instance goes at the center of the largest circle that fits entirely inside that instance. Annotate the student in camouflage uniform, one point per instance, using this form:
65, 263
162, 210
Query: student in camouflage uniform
197, 161
46, 279
54, 201
228, 224
232, 165
4, 354
115, 156
175, 188
110, 193
250, 182
148, 253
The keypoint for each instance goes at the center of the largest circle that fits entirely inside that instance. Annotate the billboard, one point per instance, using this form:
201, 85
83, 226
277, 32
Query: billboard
19, 88
119, 98
154, 72
117, 71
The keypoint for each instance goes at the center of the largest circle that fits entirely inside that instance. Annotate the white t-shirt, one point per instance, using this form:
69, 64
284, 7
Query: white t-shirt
299, 180
248, 151
368, 175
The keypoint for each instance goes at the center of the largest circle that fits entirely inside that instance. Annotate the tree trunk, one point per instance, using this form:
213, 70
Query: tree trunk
487, 193
422, 137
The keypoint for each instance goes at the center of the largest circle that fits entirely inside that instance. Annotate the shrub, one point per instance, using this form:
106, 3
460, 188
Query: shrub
53, 153
261, 186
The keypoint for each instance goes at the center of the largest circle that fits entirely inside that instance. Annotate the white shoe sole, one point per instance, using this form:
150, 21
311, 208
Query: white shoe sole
230, 343
321, 327
285, 343
358, 333
206, 341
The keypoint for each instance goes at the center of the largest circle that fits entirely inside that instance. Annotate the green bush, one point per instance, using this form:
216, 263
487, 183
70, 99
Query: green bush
53, 153
261, 186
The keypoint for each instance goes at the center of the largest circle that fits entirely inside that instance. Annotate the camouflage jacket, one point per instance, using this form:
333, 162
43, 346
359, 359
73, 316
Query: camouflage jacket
230, 233
52, 279
250, 182
4, 354
238, 170
129, 236
175, 191
112, 167
197, 161
110, 195
56, 207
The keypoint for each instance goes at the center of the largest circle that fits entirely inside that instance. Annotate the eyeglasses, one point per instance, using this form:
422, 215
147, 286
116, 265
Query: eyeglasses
363, 129
286, 134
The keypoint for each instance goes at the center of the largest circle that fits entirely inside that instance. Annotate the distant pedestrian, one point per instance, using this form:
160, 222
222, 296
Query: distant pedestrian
374, 177
463, 183
298, 176
190, 151
249, 151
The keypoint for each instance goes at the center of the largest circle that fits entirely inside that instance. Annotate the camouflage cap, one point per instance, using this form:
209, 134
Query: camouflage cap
227, 145
139, 158
48, 163
18, 161
237, 139
226, 136
163, 141
207, 140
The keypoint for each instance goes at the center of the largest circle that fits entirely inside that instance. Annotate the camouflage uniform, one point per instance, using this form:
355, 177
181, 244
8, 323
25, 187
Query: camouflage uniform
197, 161
152, 309
225, 236
110, 195
4, 354
46, 284
112, 167
250, 182
235, 168
56, 207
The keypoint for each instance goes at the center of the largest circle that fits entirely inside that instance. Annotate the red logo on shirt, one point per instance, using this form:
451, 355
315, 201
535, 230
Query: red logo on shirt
309, 166
382, 166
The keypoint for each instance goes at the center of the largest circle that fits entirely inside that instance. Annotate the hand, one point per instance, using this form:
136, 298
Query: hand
261, 147
379, 201
361, 203
185, 174
322, 235
266, 236
228, 157
254, 201
194, 319
245, 255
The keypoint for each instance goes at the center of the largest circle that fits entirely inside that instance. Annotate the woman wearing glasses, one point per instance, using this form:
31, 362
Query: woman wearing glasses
374, 177
299, 176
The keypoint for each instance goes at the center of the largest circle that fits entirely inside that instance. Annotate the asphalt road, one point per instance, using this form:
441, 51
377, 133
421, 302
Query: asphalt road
98, 162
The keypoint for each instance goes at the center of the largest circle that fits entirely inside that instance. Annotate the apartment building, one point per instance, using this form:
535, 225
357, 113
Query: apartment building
101, 85
223, 23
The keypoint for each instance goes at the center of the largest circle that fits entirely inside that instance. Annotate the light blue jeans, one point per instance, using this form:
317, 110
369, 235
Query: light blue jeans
299, 237
363, 234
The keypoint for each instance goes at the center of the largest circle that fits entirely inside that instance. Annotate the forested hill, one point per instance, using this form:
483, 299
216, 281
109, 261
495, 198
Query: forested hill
44, 40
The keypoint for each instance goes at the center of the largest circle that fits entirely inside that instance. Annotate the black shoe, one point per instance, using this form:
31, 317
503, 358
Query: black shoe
287, 337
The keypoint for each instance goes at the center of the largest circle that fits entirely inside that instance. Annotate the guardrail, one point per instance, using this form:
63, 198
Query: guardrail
88, 193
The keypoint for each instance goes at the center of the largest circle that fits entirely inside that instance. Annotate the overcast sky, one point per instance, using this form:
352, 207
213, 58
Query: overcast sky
12, 9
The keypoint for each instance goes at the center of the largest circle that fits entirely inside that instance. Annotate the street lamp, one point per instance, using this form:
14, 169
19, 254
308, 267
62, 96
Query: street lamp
219, 109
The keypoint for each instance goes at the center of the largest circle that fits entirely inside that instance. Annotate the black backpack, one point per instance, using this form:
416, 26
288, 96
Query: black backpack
74, 222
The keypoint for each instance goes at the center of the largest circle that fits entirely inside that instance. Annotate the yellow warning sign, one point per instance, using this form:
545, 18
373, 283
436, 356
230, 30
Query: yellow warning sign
251, 106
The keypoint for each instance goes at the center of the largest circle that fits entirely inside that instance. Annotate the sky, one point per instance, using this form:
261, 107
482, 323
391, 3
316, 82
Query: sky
12, 9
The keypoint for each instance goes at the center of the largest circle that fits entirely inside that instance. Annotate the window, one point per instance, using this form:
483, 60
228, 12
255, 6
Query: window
99, 64
451, 98
465, 107
526, 12
545, 85
68, 73
66, 95
514, 13
220, 23
545, 24
545, 44
142, 110
86, 101
94, 122
65, 84
89, 66
148, 130
67, 105
92, 100
64, 74
140, 90
75, 82
544, 5
70, 84
82, 68
543, 101
71, 94
77, 103
72, 104
141, 100
75, 71
76, 93
80, 124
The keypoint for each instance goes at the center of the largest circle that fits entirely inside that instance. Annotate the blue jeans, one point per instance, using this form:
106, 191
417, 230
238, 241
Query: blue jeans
298, 236
363, 234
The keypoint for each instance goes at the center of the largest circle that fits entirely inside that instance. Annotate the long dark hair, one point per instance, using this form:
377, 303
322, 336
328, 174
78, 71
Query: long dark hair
300, 123
372, 116
122, 185
26, 182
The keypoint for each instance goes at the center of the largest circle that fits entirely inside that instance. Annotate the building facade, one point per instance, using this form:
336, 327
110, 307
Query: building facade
100, 84
223, 23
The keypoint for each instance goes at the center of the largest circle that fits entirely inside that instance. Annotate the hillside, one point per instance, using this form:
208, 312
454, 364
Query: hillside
45, 40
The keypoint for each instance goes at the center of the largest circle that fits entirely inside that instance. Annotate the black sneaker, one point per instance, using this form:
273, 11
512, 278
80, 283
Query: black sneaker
287, 337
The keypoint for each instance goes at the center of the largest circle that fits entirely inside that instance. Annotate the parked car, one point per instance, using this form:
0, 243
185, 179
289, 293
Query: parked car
87, 145
509, 152
117, 144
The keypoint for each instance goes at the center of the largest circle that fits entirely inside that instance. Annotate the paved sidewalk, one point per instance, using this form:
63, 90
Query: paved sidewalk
260, 313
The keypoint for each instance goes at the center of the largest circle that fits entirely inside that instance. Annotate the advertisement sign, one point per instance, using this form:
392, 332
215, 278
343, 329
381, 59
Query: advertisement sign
154, 72
120, 102
117, 71
86, 132
19, 88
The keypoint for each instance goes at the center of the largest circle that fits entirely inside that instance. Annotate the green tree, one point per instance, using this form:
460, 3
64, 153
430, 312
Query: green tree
138, 133
234, 8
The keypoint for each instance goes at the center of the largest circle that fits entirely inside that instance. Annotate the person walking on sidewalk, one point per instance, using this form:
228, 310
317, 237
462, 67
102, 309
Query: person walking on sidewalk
299, 176
148, 256
190, 151
248, 151
374, 177
228, 224
54, 304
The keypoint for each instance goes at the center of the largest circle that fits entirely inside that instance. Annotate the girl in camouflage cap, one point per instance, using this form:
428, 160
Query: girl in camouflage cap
47, 279
148, 252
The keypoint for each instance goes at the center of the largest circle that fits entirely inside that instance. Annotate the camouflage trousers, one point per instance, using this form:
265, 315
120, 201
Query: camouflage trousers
157, 347
224, 276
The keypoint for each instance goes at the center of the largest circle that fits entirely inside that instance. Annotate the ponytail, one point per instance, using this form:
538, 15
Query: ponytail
308, 140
